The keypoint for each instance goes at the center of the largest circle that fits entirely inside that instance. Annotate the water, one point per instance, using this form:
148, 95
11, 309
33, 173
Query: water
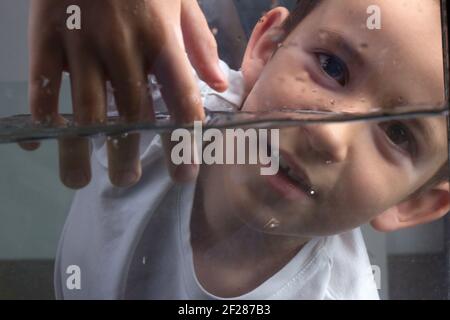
19, 128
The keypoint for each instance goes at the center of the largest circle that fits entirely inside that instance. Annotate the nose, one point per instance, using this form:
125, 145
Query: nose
328, 142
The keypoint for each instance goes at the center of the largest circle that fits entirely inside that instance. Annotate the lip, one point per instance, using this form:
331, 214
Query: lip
286, 187
296, 167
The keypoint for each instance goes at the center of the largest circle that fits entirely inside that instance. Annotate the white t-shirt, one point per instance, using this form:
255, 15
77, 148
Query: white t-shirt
134, 243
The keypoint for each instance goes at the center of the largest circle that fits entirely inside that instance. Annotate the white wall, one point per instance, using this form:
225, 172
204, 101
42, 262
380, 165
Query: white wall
13, 36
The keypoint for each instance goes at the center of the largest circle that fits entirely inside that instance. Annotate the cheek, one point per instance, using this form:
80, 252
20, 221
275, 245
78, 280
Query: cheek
371, 188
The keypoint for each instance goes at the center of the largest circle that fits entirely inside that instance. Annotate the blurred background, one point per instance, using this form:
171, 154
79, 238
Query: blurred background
414, 264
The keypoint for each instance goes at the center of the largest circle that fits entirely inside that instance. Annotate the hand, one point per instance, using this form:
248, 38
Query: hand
122, 42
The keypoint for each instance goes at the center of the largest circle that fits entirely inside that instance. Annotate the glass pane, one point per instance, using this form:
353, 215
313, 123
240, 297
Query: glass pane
321, 172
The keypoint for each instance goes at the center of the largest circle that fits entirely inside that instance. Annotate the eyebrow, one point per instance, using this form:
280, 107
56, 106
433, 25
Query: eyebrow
343, 44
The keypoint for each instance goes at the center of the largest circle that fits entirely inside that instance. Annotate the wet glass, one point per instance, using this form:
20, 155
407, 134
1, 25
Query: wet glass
322, 170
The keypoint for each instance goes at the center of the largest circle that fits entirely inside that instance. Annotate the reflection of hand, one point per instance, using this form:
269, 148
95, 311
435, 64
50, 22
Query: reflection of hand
121, 41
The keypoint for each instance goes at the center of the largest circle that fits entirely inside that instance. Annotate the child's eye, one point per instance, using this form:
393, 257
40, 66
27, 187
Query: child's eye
334, 67
400, 136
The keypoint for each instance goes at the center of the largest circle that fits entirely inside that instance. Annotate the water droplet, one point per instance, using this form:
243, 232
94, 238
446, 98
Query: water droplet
45, 82
272, 224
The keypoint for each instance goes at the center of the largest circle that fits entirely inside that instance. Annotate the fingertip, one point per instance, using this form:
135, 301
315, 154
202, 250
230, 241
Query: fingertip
29, 146
76, 179
220, 86
185, 173
218, 80
125, 179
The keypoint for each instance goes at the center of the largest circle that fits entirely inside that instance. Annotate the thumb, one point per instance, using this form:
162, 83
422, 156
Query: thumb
201, 46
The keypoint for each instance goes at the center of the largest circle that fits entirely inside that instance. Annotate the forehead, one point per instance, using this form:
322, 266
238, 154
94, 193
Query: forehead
404, 58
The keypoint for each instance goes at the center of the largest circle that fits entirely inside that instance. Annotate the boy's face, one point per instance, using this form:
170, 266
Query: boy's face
357, 172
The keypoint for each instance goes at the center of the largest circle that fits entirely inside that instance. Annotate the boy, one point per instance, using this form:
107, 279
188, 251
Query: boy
237, 234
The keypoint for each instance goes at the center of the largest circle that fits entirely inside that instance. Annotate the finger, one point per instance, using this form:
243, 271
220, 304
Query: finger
127, 73
89, 107
46, 63
181, 173
29, 146
180, 92
178, 86
201, 46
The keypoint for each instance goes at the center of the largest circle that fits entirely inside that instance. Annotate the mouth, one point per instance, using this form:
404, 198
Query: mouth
291, 181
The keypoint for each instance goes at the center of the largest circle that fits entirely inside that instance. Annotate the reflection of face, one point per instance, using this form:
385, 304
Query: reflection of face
356, 170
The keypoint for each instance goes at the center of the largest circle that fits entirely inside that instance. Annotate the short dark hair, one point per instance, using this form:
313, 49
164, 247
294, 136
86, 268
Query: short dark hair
302, 9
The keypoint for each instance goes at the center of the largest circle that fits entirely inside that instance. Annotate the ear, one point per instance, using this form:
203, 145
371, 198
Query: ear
428, 206
262, 44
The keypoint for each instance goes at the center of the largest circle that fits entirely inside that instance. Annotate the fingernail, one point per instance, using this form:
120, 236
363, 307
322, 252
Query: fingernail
76, 179
186, 173
125, 178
